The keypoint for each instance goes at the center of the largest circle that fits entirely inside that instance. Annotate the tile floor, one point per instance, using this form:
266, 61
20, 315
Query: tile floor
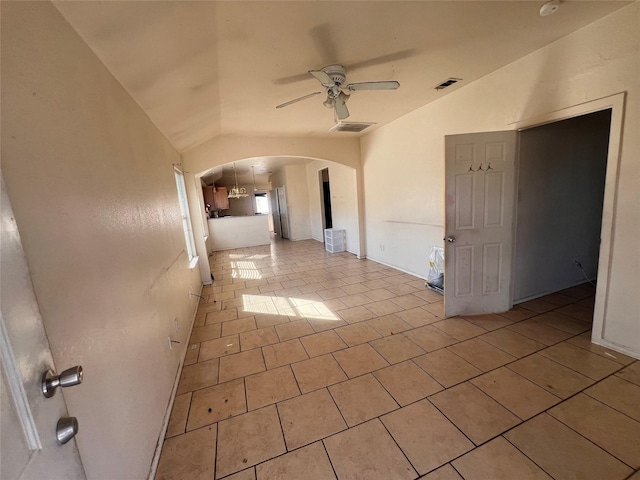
309, 365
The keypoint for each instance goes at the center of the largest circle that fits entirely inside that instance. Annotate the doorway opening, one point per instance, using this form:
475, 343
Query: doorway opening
325, 199
561, 185
460, 152
615, 103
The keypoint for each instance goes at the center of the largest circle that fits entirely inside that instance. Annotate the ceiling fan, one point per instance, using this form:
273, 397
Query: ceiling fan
332, 78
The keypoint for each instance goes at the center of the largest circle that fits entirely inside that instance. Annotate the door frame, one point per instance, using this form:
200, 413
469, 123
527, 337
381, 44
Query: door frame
323, 204
616, 103
287, 226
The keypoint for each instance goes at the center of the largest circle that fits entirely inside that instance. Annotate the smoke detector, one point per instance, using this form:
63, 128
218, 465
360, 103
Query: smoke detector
549, 8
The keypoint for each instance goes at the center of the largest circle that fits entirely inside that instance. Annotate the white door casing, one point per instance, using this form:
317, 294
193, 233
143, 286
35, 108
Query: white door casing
283, 212
28, 448
602, 320
479, 211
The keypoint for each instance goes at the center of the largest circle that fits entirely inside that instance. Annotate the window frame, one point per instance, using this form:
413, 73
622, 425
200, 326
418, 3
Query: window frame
187, 227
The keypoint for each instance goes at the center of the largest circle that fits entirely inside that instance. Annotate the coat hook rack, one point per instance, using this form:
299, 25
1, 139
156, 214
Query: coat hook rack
489, 167
471, 170
480, 169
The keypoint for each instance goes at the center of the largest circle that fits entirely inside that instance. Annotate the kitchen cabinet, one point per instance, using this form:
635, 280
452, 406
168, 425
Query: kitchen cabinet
207, 193
221, 199
216, 197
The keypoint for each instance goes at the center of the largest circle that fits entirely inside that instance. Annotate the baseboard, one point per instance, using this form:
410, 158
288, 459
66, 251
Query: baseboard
240, 246
538, 295
616, 348
394, 267
167, 415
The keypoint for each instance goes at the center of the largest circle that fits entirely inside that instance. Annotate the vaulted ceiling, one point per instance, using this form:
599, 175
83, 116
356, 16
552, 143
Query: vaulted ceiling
206, 68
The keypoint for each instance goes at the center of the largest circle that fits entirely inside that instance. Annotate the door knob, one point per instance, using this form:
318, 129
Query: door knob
70, 377
450, 239
66, 429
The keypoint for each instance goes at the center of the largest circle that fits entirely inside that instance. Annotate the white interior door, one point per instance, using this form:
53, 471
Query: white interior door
284, 216
28, 419
479, 210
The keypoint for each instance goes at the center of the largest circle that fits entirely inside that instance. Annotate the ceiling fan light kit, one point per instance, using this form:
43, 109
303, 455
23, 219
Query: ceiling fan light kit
332, 78
549, 8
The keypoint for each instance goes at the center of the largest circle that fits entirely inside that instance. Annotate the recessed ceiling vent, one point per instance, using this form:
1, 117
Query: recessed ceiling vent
448, 82
350, 126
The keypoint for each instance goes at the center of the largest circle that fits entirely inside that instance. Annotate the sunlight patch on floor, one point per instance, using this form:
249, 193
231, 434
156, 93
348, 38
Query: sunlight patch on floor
245, 270
289, 306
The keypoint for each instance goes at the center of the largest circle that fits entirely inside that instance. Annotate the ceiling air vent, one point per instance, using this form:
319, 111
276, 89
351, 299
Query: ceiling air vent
448, 82
350, 126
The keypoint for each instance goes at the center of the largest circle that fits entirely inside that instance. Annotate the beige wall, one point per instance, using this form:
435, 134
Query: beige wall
93, 191
344, 202
227, 149
599, 60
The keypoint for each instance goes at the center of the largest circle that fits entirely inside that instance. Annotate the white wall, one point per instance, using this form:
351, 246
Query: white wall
403, 164
562, 168
344, 201
239, 232
93, 190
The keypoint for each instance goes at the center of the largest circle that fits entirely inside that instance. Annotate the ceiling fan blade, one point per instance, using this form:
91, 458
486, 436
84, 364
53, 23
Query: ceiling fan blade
323, 78
292, 79
387, 85
322, 39
320, 35
340, 106
391, 57
285, 104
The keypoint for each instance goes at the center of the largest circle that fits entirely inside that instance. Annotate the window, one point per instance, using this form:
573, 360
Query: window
262, 203
186, 219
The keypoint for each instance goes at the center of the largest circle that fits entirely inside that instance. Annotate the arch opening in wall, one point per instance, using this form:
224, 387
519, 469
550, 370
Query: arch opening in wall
299, 212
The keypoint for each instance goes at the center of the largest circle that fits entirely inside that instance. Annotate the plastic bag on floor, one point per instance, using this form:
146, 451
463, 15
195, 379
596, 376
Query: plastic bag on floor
435, 278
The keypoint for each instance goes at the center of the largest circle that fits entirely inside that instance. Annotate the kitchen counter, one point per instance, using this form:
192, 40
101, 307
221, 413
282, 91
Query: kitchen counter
236, 232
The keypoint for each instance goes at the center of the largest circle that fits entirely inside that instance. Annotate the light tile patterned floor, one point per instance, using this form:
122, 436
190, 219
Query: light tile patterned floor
310, 365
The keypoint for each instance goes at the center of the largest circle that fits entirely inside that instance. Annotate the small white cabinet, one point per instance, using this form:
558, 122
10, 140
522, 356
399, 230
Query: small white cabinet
335, 240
